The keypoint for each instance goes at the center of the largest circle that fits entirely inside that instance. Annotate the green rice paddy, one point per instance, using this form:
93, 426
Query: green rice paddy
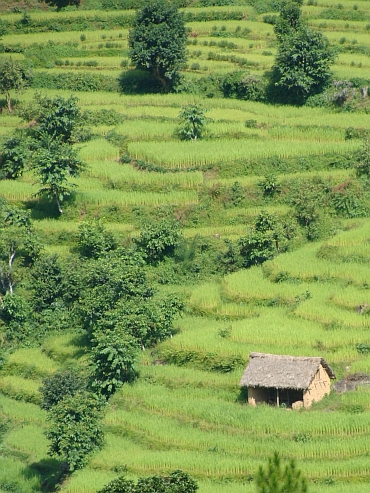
179, 414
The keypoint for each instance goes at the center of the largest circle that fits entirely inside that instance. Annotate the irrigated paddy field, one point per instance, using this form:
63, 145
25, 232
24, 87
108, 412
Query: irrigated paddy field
186, 413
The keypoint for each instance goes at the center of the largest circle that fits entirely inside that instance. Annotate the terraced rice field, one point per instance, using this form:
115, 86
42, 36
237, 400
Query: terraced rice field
183, 414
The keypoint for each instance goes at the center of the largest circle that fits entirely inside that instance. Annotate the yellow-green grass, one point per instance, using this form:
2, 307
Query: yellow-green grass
259, 30
30, 440
204, 153
89, 480
99, 150
64, 348
14, 473
250, 181
29, 361
304, 265
126, 175
22, 412
102, 197
68, 69
20, 388
17, 190
71, 36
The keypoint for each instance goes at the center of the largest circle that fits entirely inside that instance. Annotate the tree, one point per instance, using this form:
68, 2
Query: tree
193, 121
63, 383
363, 164
55, 162
177, 482
113, 359
17, 242
276, 479
13, 76
263, 241
157, 41
94, 240
57, 117
158, 240
74, 428
302, 64
47, 281
14, 156
148, 321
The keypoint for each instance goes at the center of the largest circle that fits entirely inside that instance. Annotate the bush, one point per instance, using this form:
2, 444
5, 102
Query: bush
74, 429
64, 383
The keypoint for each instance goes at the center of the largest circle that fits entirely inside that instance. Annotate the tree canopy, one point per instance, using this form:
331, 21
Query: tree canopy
14, 76
302, 63
157, 41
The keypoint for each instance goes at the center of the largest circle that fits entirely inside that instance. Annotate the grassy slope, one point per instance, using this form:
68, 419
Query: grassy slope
188, 417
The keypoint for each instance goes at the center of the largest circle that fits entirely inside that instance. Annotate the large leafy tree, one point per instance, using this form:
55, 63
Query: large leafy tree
265, 239
158, 240
157, 41
74, 428
113, 359
302, 64
55, 162
14, 76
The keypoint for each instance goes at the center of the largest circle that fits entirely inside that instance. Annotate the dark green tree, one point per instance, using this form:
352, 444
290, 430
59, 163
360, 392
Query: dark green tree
14, 156
74, 428
18, 244
157, 41
47, 281
192, 123
363, 164
57, 117
55, 162
94, 240
263, 241
278, 479
113, 357
63, 383
176, 482
158, 240
148, 321
119, 275
302, 64
14, 76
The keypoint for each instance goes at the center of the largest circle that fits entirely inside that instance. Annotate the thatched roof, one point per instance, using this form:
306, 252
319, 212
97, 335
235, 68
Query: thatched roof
282, 372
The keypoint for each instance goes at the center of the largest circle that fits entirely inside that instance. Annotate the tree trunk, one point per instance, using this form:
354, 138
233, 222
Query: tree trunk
58, 203
7, 96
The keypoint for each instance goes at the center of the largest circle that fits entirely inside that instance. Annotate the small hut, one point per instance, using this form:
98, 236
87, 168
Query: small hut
286, 380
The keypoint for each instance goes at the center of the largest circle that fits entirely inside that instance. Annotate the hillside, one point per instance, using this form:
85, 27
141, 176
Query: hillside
186, 409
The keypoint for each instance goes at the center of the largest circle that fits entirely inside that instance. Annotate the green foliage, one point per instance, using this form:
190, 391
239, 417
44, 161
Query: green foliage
55, 162
18, 244
57, 117
94, 240
276, 479
74, 428
302, 64
64, 383
113, 358
193, 121
14, 76
264, 240
158, 240
157, 41
14, 156
148, 321
47, 281
242, 85
363, 164
176, 482
15, 313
